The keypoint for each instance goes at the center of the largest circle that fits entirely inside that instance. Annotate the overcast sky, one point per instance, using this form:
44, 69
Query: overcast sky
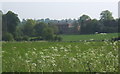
60, 10
59, 0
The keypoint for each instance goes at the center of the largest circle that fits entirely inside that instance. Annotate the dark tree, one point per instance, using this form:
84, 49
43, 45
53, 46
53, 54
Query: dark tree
28, 27
106, 15
39, 27
83, 20
10, 21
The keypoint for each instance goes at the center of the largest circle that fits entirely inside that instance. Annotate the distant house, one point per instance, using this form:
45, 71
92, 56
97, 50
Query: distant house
63, 27
70, 25
67, 28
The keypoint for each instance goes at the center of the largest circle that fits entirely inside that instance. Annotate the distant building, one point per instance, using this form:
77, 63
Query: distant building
63, 27
67, 28
70, 25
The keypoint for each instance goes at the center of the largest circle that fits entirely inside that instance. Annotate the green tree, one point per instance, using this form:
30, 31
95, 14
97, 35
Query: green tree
54, 27
28, 27
39, 27
7, 37
19, 34
83, 20
106, 15
108, 24
48, 34
10, 21
92, 27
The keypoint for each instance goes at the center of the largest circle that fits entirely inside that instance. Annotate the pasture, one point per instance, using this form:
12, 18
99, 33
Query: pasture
60, 56
101, 36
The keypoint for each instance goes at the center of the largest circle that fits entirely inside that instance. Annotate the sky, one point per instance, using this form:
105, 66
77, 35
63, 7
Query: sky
59, 9
59, 0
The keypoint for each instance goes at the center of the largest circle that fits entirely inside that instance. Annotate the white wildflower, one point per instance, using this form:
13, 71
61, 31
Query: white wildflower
41, 53
34, 49
34, 64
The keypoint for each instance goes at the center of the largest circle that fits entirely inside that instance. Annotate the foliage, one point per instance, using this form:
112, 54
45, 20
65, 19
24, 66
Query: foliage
106, 15
10, 21
25, 38
47, 29
57, 38
7, 37
54, 27
39, 28
36, 38
28, 27
48, 34
83, 19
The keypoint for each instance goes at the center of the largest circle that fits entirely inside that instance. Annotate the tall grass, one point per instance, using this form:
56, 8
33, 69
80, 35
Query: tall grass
60, 57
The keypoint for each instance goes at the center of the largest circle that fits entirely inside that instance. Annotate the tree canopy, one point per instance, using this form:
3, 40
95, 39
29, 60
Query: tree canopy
106, 15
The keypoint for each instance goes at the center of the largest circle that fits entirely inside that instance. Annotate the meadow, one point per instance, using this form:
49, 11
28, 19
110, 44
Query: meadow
102, 36
60, 56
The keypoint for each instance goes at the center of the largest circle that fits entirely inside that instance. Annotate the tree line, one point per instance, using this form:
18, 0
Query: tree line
106, 24
46, 29
13, 29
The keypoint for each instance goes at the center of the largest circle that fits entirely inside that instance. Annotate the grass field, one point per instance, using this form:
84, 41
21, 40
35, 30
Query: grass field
107, 36
60, 57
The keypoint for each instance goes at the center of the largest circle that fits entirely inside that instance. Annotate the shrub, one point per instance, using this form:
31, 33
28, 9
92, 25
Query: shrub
19, 38
36, 39
25, 38
57, 38
7, 37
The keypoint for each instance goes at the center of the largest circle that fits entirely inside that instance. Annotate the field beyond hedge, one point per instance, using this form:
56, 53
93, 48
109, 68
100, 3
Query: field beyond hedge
60, 57
102, 36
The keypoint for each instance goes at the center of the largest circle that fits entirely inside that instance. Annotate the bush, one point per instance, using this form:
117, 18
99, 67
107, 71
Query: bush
116, 39
57, 38
25, 38
7, 37
36, 39
48, 34
19, 38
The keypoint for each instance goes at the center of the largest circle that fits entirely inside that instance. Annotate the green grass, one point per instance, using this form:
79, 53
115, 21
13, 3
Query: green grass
0, 57
60, 56
107, 36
